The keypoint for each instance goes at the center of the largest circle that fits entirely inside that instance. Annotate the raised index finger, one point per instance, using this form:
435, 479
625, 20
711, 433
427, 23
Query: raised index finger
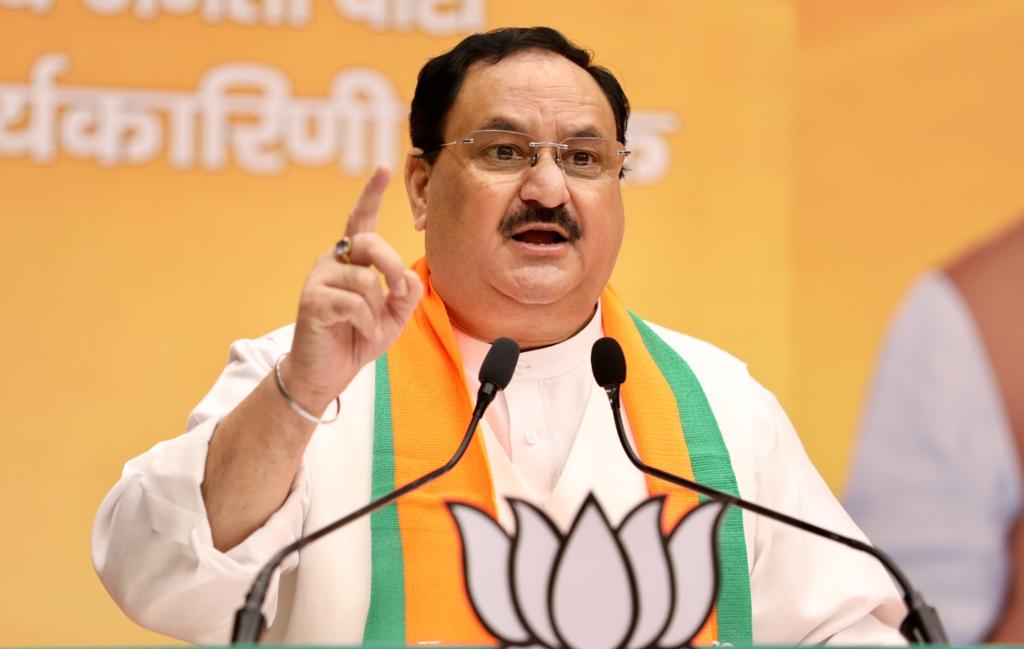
364, 214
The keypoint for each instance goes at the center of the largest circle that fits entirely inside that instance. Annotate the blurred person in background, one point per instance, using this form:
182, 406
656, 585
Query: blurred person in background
937, 477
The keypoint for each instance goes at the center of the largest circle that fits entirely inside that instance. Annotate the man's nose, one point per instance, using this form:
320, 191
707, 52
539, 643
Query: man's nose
545, 182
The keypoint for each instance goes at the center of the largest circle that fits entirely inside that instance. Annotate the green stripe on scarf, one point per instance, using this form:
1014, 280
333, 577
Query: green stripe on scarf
385, 620
712, 467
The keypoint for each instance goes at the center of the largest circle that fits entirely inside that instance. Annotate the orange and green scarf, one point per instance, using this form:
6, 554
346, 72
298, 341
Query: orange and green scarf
421, 408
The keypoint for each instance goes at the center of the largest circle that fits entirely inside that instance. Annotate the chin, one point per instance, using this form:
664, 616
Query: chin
539, 286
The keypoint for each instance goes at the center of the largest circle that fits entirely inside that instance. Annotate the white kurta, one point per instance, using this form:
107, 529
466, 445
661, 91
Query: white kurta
152, 544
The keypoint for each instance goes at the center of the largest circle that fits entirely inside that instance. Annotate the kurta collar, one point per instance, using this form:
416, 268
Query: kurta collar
537, 364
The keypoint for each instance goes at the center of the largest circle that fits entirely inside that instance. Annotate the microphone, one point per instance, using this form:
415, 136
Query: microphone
922, 624
495, 373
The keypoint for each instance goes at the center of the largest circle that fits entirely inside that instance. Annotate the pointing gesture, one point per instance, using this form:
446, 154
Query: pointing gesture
364, 216
346, 317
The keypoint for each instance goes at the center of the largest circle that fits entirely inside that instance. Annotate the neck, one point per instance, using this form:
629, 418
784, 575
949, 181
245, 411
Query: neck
529, 332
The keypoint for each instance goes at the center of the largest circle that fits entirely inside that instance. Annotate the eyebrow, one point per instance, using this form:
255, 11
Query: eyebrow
505, 124
501, 124
586, 132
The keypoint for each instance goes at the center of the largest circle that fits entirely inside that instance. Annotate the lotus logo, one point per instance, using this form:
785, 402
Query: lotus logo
595, 587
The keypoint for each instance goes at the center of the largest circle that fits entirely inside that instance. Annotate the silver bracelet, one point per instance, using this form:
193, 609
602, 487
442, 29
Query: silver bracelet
302, 412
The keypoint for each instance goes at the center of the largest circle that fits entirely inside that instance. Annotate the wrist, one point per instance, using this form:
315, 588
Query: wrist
307, 401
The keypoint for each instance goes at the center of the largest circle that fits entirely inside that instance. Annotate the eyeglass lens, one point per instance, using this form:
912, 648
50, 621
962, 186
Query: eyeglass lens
510, 152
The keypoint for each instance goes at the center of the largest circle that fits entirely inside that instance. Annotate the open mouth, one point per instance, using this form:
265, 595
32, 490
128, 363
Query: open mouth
539, 237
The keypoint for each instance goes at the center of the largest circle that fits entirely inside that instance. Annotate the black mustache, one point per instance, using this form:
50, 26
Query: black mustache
536, 214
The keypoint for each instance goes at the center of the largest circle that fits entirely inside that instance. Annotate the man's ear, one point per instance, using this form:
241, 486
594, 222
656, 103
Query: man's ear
417, 177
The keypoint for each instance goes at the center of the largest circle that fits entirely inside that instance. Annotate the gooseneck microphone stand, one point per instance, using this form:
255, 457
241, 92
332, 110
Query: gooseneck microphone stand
495, 373
922, 624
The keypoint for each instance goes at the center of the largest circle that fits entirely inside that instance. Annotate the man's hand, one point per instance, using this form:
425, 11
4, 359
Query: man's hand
345, 318
345, 321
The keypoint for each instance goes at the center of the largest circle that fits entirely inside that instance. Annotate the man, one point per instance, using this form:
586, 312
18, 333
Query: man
937, 477
514, 180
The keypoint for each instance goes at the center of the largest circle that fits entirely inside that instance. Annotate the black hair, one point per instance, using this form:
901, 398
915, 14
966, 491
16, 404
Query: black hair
441, 78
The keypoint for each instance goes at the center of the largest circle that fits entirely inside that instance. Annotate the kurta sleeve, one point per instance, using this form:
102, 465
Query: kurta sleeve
152, 545
805, 588
935, 481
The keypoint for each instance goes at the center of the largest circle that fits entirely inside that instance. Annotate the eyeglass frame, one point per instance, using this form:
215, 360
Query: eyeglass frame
536, 146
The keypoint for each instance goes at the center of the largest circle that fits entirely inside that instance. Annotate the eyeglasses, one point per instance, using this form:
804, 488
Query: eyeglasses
509, 153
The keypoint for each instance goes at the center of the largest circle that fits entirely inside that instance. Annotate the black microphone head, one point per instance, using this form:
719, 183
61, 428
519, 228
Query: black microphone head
608, 363
500, 363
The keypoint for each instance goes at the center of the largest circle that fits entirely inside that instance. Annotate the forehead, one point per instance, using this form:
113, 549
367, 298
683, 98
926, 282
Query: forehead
536, 92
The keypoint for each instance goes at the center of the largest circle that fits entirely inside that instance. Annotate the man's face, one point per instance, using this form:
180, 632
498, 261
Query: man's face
492, 259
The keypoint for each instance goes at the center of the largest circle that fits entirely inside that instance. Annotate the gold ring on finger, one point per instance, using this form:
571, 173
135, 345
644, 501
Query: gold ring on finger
343, 250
